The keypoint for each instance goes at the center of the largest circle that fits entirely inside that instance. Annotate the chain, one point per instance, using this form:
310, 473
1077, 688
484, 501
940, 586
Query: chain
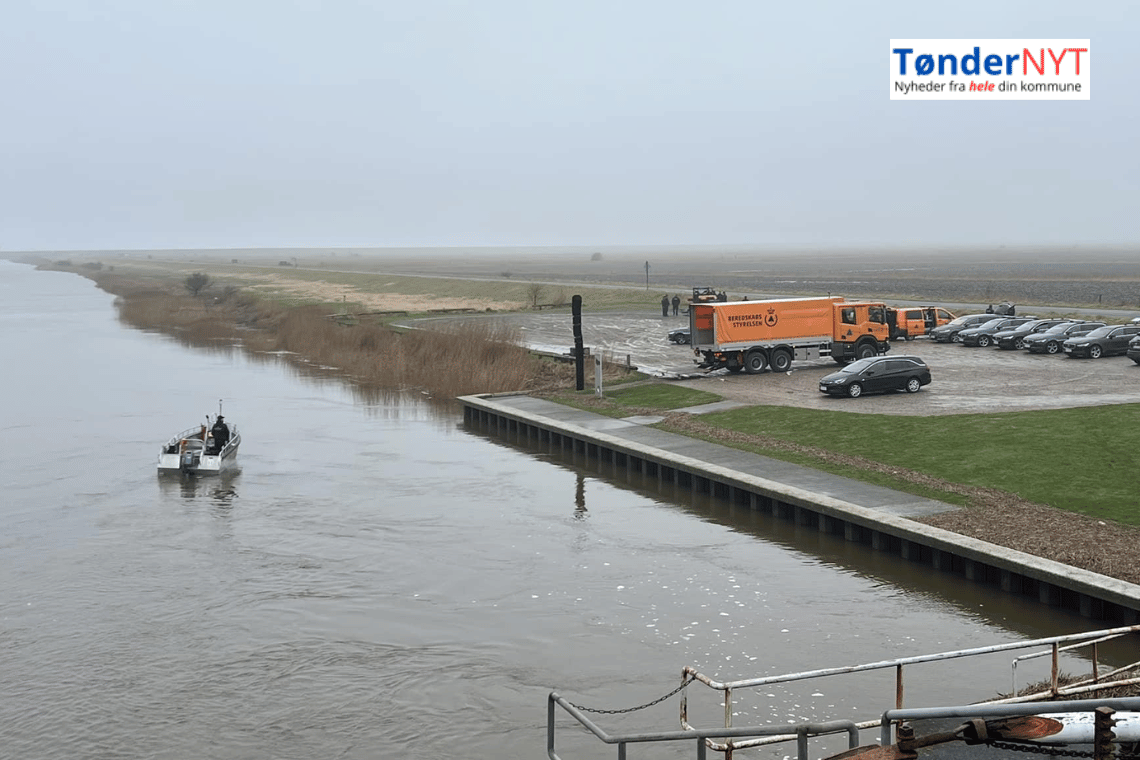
1044, 749
1040, 749
688, 680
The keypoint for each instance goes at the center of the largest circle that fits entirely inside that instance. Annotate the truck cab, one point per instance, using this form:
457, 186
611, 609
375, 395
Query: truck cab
855, 323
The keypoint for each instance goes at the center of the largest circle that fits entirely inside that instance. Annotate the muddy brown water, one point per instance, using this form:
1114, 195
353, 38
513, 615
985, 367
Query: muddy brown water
378, 581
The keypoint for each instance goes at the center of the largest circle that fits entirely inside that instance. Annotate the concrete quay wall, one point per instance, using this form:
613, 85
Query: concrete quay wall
1092, 595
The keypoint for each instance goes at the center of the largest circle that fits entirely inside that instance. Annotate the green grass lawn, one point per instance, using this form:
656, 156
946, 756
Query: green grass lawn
1081, 460
620, 402
661, 396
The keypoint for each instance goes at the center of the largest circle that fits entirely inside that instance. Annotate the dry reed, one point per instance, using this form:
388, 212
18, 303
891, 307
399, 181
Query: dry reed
472, 356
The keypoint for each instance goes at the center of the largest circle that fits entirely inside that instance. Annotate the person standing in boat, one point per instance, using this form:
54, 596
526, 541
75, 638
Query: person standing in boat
221, 433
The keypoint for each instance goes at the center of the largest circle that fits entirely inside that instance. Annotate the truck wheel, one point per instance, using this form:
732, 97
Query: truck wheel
755, 362
864, 351
855, 390
781, 360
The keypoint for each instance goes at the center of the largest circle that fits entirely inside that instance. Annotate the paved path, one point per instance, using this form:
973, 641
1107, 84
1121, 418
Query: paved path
634, 429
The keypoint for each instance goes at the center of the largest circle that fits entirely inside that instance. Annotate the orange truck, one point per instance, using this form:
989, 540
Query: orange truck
757, 335
910, 322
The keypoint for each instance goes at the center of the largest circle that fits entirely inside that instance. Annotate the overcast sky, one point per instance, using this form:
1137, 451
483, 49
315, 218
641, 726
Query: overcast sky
280, 123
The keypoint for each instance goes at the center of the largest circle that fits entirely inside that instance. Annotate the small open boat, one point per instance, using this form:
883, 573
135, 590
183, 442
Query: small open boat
206, 449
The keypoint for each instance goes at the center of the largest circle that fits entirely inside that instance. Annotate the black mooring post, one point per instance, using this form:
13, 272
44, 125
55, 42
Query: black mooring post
579, 357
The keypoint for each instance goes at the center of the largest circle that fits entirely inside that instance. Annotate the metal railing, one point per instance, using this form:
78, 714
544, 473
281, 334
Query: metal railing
727, 739
800, 731
1074, 640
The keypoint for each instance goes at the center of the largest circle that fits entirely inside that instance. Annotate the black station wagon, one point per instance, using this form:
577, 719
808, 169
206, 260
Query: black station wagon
877, 374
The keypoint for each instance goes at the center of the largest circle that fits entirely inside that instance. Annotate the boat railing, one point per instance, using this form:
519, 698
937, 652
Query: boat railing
1054, 646
175, 444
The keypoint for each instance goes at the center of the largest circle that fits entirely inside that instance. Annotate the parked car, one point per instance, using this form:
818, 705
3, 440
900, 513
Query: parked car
680, 336
1015, 338
983, 334
1103, 341
1049, 342
877, 374
948, 333
1134, 349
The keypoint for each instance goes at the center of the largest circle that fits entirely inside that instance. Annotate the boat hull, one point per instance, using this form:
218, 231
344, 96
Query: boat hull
187, 454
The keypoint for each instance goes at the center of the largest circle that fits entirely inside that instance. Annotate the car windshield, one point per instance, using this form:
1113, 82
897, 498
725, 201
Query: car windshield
1099, 332
859, 366
959, 321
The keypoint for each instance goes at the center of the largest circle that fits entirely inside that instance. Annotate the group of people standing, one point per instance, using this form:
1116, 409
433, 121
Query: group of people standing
675, 302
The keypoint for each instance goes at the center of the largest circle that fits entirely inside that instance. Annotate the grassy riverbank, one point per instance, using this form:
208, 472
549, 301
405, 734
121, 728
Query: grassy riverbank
1013, 473
467, 357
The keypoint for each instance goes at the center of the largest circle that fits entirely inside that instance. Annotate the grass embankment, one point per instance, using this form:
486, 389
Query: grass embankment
1027, 454
1054, 484
1081, 460
656, 397
470, 356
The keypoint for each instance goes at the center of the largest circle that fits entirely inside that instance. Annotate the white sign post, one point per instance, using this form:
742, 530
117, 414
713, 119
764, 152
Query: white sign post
598, 375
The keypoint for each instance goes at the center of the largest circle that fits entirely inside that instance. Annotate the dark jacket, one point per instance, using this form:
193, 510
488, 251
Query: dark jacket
221, 434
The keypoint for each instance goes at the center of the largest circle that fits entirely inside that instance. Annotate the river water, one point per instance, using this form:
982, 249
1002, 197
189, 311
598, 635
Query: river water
377, 581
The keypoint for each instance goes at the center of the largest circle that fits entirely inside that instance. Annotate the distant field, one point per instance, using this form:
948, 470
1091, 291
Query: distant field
364, 289
1065, 276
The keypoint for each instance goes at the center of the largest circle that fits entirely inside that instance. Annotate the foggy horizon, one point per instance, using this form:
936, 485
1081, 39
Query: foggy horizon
136, 126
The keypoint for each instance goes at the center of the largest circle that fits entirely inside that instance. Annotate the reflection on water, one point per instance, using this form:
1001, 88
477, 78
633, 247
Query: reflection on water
580, 498
220, 489
912, 580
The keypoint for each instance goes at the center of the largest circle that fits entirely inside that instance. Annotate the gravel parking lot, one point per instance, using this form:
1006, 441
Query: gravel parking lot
965, 380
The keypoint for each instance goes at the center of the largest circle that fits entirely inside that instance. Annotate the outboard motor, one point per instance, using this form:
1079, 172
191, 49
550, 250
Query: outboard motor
189, 461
